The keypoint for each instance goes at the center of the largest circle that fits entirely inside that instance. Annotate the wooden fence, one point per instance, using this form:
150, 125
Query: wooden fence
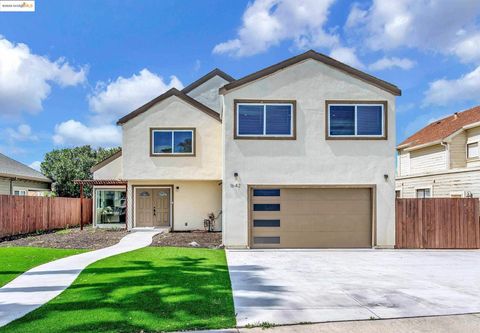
24, 214
437, 223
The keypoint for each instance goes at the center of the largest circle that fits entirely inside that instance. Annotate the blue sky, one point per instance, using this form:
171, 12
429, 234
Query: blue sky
71, 68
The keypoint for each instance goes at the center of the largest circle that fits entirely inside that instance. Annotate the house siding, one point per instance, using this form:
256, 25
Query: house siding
207, 93
404, 163
4, 186
112, 170
170, 113
429, 159
310, 159
458, 151
442, 184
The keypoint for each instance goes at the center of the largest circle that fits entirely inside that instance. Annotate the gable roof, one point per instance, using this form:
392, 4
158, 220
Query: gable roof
205, 78
106, 160
443, 128
14, 169
391, 88
172, 92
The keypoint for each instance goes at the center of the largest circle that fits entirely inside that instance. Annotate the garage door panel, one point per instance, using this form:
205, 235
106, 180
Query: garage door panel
313, 218
326, 222
325, 194
326, 207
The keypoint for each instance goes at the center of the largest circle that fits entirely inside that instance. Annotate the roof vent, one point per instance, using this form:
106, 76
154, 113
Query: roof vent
455, 115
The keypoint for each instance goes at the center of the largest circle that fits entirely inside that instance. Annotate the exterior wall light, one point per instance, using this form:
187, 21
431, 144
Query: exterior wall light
236, 183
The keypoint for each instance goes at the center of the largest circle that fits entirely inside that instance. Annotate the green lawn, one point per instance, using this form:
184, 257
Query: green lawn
151, 289
17, 260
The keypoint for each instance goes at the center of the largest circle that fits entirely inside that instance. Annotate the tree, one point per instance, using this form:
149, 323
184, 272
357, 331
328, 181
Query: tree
63, 166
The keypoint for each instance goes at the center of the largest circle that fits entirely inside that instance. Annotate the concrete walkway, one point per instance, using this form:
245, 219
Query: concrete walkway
441, 324
39, 285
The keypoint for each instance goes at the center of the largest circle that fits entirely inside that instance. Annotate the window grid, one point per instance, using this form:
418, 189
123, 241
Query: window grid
264, 134
172, 142
355, 122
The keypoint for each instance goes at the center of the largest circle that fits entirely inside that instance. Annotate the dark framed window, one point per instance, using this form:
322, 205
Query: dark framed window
172, 142
265, 120
356, 120
266, 240
266, 207
266, 223
266, 192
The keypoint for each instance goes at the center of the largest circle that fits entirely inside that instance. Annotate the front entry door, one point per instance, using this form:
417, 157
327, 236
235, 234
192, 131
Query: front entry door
161, 207
144, 208
152, 207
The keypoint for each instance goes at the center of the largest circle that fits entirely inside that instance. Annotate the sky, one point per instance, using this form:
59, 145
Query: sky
72, 68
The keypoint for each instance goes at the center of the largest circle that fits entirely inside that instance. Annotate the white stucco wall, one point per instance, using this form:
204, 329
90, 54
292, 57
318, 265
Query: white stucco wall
112, 170
207, 93
192, 202
172, 112
309, 159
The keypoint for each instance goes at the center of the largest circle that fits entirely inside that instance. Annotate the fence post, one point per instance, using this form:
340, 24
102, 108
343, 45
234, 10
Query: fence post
81, 206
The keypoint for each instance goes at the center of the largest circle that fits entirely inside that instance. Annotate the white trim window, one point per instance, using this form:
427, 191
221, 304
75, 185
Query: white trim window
274, 120
167, 142
20, 192
472, 150
423, 193
356, 120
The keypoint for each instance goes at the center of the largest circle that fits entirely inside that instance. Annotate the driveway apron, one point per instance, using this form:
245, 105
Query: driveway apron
294, 286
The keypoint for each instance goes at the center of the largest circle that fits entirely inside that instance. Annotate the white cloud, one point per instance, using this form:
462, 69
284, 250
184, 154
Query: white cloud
35, 165
266, 23
388, 63
108, 103
73, 133
440, 26
22, 133
468, 50
26, 78
123, 95
465, 88
346, 55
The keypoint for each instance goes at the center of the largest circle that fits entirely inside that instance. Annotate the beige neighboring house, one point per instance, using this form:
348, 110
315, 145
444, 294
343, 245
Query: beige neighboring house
18, 179
442, 159
297, 155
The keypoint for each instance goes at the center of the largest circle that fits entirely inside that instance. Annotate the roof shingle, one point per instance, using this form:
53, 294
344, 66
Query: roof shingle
11, 168
441, 129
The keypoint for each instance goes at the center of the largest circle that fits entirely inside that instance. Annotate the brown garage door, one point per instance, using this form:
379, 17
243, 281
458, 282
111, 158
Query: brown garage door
311, 217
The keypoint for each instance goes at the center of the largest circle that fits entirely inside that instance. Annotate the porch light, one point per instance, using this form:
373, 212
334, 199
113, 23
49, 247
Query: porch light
236, 183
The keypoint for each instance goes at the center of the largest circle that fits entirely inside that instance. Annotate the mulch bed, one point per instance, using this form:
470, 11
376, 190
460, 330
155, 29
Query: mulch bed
183, 239
73, 238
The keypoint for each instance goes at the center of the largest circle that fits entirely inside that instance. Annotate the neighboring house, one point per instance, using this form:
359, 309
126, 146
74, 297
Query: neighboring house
18, 179
442, 159
297, 155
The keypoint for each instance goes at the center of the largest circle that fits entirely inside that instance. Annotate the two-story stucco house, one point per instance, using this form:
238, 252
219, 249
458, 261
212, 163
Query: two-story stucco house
297, 155
442, 159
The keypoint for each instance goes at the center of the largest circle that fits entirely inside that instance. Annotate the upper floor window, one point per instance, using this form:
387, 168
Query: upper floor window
472, 150
362, 120
260, 120
172, 142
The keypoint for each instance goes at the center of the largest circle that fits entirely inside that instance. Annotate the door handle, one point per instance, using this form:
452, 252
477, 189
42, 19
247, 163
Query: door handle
154, 212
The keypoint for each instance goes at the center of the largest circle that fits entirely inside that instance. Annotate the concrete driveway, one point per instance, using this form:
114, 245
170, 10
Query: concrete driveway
294, 286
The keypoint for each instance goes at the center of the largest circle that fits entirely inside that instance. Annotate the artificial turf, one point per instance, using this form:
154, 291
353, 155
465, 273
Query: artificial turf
147, 290
17, 260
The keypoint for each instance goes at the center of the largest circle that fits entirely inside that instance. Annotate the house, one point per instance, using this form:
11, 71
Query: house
297, 155
442, 159
18, 179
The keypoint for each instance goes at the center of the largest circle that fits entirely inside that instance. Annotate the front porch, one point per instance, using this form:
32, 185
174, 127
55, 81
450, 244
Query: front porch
148, 204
